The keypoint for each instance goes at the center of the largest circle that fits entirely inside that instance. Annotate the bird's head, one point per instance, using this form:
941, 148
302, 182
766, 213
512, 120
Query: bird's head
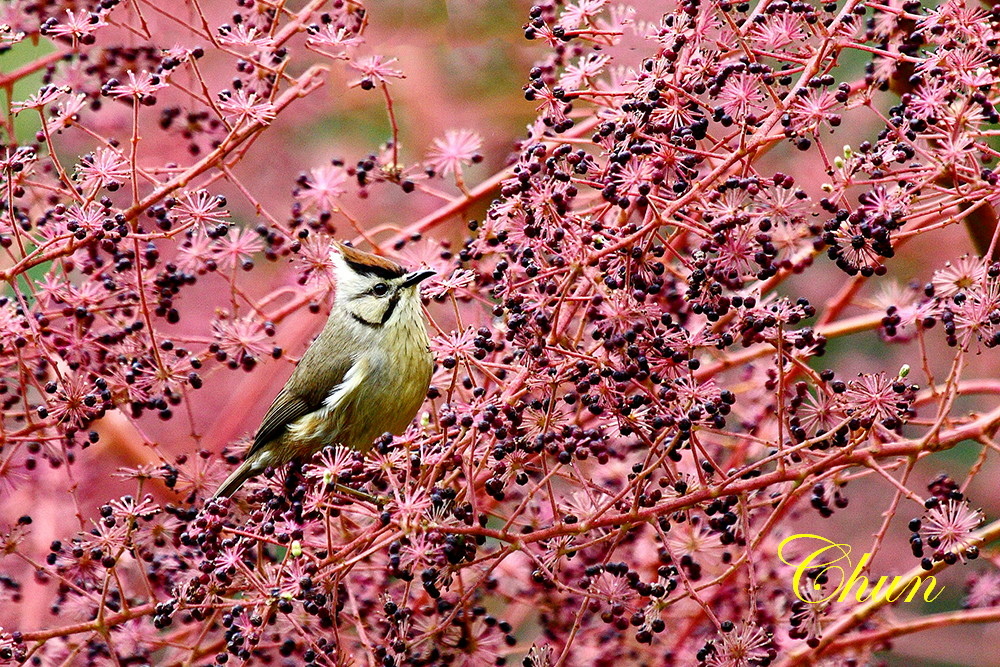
371, 288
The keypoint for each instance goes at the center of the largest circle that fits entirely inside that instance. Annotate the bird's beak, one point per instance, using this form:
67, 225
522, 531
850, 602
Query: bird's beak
417, 277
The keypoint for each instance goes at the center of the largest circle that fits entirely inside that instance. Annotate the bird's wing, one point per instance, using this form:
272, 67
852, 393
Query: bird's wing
316, 377
285, 409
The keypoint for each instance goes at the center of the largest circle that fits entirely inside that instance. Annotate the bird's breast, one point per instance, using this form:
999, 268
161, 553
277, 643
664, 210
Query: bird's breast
395, 373
398, 385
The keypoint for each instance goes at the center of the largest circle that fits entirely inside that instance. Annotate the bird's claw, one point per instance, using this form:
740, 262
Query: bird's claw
378, 501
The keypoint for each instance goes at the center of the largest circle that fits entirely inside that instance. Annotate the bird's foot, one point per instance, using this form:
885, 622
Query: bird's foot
378, 501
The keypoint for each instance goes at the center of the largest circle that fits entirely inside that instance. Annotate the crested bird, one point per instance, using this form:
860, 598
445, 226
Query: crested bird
366, 374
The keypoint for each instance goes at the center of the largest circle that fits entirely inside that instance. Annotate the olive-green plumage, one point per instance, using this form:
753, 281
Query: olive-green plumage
366, 374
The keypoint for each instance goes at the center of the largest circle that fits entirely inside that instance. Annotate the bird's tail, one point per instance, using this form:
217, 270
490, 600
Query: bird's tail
245, 471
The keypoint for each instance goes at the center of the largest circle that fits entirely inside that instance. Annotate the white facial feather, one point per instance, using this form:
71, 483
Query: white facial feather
349, 282
354, 295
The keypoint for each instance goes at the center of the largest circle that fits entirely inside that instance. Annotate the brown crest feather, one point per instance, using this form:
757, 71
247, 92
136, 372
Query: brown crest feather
367, 263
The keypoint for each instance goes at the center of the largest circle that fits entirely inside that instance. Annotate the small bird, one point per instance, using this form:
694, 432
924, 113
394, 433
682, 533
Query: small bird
366, 373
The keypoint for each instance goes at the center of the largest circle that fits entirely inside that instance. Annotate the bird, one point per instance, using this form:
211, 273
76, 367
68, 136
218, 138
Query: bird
366, 374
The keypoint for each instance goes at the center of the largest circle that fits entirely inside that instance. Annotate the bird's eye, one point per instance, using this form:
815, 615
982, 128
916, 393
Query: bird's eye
380, 289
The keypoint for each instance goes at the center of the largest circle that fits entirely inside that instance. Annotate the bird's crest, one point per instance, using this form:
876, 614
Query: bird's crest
366, 263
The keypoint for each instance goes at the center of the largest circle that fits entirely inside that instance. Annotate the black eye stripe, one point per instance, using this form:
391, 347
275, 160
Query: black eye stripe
393, 302
392, 307
368, 293
361, 320
389, 310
